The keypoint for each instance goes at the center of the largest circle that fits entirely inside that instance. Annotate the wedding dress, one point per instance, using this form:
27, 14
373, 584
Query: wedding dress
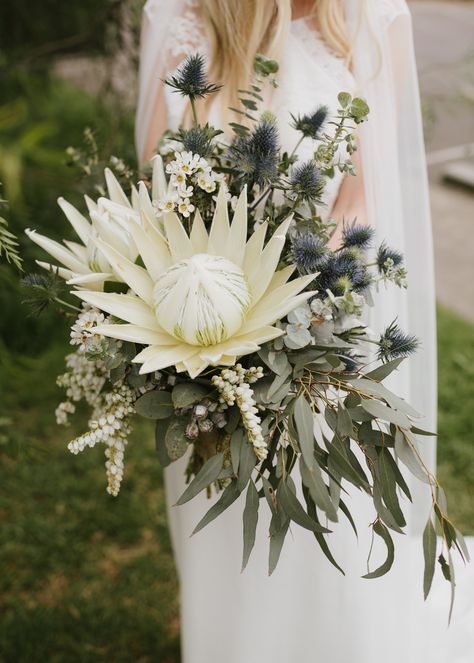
307, 611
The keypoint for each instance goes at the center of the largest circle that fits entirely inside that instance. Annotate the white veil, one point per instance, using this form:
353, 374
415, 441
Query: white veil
394, 173
393, 161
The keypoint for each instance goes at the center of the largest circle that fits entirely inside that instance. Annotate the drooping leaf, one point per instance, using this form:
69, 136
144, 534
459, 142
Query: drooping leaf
250, 518
235, 446
344, 421
429, 552
294, 509
155, 405
247, 462
277, 539
312, 512
206, 475
318, 490
228, 497
409, 458
384, 568
160, 445
304, 424
346, 462
382, 372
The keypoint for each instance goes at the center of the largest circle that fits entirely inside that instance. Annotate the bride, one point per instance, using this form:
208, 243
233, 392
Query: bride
307, 611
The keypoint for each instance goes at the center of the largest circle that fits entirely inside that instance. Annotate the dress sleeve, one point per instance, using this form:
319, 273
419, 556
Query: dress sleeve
170, 31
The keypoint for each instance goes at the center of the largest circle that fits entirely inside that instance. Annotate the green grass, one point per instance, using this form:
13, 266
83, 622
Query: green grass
86, 577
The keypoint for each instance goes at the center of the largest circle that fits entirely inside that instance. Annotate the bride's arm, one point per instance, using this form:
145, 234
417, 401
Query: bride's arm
350, 203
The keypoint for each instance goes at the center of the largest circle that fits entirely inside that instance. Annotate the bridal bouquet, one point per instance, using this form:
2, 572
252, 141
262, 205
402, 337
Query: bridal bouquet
211, 303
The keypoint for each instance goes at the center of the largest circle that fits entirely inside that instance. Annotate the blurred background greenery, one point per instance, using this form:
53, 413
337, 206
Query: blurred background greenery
86, 577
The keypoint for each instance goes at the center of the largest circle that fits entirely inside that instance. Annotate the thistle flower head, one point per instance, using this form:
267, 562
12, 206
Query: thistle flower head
311, 124
198, 140
356, 235
306, 182
308, 252
191, 78
394, 343
256, 155
42, 290
385, 253
342, 272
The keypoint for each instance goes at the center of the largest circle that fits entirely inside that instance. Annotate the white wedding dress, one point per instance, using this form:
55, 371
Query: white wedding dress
307, 611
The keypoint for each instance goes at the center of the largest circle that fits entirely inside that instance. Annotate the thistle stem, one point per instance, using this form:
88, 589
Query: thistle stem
193, 109
63, 303
296, 147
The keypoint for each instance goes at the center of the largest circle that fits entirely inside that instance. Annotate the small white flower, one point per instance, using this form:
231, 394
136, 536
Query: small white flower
185, 207
185, 191
166, 204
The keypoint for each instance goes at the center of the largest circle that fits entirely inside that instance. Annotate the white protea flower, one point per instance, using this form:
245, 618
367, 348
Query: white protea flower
83, 263
203, 299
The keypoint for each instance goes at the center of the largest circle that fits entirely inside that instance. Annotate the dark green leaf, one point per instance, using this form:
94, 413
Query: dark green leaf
206, 475
344, 421
379, 374
155, 405
346, 462
304, 421
277, 538
409, 458
312, 512
295, 511
384, 568
429, 552
250, 521
235, 445
228, 497
247, 462
318, 490
160, 445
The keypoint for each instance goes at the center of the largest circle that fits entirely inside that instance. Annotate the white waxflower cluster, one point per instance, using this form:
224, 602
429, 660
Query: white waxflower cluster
186, 171
233, 385
83, 380
83, 329
110, 425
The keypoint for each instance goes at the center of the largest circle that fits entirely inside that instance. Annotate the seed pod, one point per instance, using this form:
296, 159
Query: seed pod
192, 430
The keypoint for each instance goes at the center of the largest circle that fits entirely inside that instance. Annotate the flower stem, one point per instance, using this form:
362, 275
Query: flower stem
193, 108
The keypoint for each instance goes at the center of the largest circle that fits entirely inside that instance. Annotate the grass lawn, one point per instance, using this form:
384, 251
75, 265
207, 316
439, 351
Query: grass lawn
88, 578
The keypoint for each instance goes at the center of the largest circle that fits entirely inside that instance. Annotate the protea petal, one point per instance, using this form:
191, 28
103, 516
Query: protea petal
135, 334
79, 251
58, 251
116, 193
60, 271
219, 232
134, 276
152, 248
94, 280
199, 237
125, 307
158, 186
254, 248
235, 248
180, 244
261, 274
167, 357
80, 224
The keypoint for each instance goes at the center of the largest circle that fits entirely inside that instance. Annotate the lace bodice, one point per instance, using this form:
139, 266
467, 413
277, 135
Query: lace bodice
310, 75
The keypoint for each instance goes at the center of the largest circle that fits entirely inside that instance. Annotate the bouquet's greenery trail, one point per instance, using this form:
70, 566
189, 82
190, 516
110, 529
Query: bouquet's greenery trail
8, 242
244, 339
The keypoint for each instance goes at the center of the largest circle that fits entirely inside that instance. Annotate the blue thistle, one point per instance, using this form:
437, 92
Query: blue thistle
392, 255
310, 124
198, 140
255, 156
394, 343
308, 252
306, 182
357, 235
341, 272
191, 79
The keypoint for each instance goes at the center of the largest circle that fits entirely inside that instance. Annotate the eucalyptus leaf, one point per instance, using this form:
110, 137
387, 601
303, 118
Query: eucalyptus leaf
228, 497
236, 442
160, 445
175, 439
429, 552
388, 486
247, 462
250, 517
347, 463
408, 457
384, 568
304, 421
294, 509
318, 490
312, 512
155, 405
185, 394
382, 372
344, 421
385, 413
206, 475
277, 539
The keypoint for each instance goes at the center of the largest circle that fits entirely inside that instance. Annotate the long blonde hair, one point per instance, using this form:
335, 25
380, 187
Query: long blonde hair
239, 29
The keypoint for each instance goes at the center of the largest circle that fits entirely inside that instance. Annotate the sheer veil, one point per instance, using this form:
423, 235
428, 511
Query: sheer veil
394, 173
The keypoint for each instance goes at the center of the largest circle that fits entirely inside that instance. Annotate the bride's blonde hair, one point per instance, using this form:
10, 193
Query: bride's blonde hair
239, 29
